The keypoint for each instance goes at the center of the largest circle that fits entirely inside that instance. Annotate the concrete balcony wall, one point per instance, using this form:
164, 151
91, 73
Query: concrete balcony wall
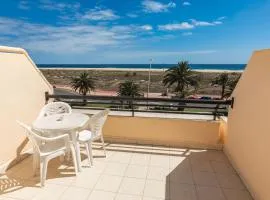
162, 131
247, 139
22, 89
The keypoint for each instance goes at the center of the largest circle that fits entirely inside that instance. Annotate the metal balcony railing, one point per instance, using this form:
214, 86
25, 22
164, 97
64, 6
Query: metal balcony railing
141, 104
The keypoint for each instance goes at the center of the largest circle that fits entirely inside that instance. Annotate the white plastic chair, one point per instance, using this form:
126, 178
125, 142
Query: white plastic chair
94, 133
55, 108
46, 149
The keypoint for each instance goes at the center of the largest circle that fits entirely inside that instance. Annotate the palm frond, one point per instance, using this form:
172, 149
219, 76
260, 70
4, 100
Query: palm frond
182, 76
83, 84
129, 88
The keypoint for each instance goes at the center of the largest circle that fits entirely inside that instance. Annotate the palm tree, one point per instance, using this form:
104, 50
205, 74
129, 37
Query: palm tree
222, 80
129, 89
84, 84
182, 76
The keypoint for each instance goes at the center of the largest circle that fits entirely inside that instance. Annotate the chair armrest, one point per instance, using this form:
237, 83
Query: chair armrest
51, 139
64, 137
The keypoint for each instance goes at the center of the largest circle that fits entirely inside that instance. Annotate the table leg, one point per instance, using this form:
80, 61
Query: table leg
77, 152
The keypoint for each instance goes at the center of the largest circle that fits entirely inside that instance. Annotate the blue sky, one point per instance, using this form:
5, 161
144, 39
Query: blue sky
133, 31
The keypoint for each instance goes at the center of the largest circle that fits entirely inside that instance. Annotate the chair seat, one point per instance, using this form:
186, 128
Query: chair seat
51, 147
85, 136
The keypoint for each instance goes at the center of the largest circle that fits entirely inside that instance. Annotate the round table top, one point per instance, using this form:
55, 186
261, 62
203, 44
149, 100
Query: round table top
61, 122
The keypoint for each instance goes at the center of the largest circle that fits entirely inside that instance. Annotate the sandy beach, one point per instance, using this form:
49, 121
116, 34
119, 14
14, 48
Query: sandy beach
107, 79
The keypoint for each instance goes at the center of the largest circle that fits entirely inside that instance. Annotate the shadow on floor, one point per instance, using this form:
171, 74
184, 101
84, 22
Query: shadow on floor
204, 174
21, 175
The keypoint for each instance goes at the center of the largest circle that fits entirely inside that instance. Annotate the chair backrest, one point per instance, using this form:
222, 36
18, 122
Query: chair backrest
55, 108
97, 122
33, 137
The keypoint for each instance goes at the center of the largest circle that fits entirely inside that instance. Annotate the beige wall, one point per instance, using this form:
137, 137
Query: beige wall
22, 89
247, 142
160, 131
223, 130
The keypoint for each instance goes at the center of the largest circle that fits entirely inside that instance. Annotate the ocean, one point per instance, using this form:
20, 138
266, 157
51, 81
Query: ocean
221, 67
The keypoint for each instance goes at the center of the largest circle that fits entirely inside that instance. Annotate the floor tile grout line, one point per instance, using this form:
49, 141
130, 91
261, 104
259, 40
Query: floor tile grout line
223, 192
169, 181
92, 189
63, 192
13, 198
215, 174
147, 173
95, 184
123, 177
193, 179
149, 166
219, 184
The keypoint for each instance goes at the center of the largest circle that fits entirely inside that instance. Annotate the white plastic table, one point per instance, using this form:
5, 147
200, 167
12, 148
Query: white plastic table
63, 124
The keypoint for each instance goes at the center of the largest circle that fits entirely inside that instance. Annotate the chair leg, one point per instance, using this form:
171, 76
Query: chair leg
35, 164
102, 140
74, 160
68, 155
88, 154
43, 171
62, 158
89, 144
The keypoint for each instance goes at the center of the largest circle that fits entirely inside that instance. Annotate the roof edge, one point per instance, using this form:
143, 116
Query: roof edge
16, 50
261, 50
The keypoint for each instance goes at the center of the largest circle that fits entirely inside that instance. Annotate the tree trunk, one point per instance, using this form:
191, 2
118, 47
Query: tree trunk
84, 100
222, 91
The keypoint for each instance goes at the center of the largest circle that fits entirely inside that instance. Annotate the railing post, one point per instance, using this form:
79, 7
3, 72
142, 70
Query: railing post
215, 115
46, 97
232, 102
215, 112
132, 106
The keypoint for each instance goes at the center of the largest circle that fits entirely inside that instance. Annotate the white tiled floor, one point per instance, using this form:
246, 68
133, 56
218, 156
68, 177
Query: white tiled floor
131, 172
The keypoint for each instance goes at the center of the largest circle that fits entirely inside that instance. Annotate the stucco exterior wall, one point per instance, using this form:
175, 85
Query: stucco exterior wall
247, 141
22, 88
161, 131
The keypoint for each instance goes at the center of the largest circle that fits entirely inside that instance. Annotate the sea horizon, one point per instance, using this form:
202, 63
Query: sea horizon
229, 67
